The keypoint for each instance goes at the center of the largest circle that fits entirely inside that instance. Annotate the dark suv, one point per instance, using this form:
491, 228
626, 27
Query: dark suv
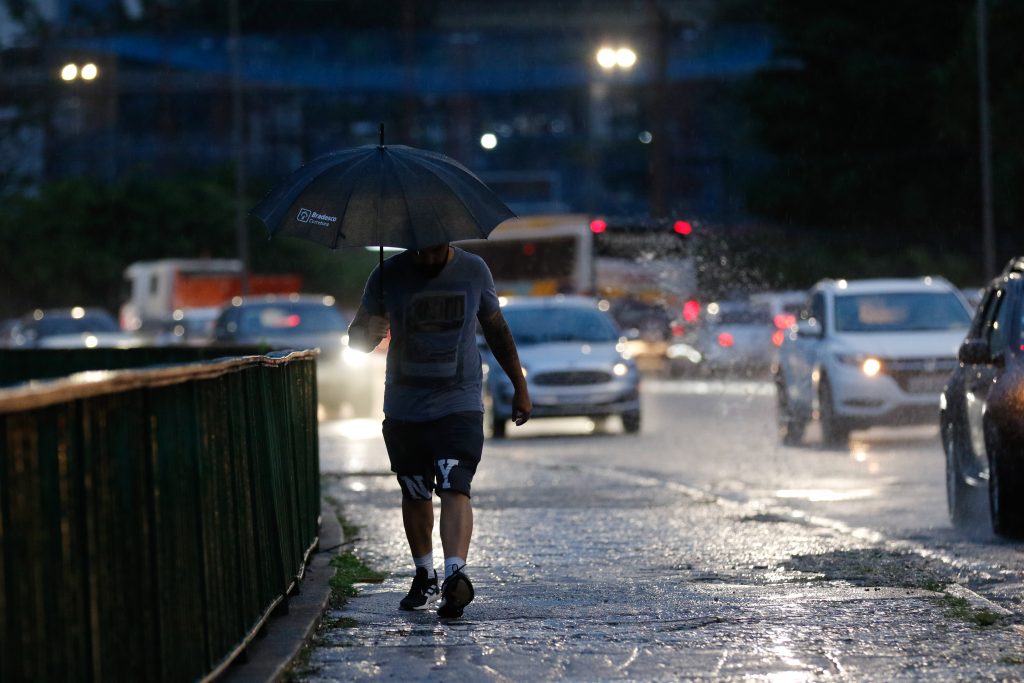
982, 411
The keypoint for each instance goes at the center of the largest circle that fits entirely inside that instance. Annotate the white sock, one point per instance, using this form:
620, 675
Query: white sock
427, 562
453, 564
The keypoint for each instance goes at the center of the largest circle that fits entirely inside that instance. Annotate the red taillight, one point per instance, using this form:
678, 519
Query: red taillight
777, 337
725, 340
598, 225
683, 227
784, 321
677, 330
292, 320
691, 310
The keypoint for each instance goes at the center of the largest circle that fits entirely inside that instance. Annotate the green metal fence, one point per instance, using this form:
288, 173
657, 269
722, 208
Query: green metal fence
150, 520
24, 364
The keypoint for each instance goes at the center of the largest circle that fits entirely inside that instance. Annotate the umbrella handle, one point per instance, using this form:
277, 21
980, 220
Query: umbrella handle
381, 278
381, 253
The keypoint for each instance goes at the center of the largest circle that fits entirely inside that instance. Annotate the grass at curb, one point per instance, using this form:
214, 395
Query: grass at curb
960, 608
349, 570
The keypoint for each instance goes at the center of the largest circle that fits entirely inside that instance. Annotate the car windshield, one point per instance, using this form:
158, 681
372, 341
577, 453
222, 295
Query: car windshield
543, 325
90, 322
900, 311
290, 318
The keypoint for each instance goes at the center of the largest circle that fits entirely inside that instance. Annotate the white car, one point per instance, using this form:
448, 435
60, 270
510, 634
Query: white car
734, 336
869, 352
308, 321
71, 328
575, 361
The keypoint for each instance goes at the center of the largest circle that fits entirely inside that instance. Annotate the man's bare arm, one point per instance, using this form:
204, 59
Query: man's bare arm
503, 346
366, 331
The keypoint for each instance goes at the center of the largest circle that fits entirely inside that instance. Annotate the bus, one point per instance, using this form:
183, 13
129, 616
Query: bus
539, 255
642, 269
644, 260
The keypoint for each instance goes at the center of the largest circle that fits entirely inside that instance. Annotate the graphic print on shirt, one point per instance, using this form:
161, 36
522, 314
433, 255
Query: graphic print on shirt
433, 327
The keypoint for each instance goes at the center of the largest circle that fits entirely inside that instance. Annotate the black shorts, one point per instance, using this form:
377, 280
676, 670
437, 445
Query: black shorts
437, 454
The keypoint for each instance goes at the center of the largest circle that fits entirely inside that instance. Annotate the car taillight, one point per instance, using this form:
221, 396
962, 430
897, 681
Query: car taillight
777, 337
725, 340
691, 310
677, 330
784, 321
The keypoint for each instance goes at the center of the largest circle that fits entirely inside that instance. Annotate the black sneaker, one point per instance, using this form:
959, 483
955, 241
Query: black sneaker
423, 592
456, 593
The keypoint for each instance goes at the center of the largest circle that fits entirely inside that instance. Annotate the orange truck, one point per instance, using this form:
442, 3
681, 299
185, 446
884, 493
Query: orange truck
163, 293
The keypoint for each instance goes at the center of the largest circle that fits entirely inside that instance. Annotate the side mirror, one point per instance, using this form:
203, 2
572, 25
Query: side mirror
805, 328
974, 352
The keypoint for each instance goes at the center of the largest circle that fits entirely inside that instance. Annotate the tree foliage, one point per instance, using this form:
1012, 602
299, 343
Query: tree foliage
870, 112
69, 243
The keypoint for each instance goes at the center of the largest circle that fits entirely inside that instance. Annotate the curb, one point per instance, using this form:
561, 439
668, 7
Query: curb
268, 657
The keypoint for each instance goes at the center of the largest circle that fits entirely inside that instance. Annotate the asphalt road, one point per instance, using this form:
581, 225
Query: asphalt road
699, 549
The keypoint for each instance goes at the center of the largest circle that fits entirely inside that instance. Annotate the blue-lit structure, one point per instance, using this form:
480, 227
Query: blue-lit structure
567, 135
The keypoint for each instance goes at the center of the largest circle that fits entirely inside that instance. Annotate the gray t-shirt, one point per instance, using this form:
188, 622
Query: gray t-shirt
433, 366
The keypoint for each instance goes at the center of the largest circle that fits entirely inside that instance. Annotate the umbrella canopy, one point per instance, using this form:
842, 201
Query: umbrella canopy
379, 195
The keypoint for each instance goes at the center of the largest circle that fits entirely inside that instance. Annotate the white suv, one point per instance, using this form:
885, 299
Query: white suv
868, 352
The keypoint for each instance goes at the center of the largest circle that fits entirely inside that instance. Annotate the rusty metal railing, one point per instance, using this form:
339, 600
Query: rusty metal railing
151, 519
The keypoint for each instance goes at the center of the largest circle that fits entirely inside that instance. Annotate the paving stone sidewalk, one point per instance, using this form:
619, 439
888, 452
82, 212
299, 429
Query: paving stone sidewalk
583, 574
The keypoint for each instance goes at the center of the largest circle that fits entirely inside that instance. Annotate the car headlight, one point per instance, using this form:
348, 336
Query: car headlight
353, 358
620, 369
869, 365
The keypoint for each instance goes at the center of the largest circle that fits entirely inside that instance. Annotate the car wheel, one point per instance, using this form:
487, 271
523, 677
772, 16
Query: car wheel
791, 428
1005, 479
631, 422
962, 499
834, 430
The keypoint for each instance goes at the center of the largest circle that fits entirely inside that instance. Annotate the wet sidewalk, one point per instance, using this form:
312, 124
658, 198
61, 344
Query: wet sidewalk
585, 573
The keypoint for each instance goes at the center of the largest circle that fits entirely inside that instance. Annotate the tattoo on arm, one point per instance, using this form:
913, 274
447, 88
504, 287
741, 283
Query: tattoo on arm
499, 336
503, 346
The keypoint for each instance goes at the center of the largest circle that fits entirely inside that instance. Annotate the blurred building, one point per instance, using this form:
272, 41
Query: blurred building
512, 89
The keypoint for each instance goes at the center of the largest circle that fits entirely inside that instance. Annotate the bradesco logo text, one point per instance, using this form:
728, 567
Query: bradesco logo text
321, 219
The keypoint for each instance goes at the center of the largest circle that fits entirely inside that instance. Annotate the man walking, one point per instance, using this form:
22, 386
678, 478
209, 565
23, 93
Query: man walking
431, 301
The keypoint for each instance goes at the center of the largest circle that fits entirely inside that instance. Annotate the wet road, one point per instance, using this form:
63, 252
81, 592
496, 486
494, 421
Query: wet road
697, 550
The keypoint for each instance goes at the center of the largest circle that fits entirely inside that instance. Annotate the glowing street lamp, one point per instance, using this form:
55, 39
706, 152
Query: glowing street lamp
609, 58
625, 57
488, 140
70, 72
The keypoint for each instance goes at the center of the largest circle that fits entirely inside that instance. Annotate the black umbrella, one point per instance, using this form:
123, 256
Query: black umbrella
377, 195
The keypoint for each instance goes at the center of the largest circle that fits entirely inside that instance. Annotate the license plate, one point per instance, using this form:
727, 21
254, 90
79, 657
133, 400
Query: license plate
572, 399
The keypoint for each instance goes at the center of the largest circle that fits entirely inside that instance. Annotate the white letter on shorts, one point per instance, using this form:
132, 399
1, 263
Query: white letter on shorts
416, 488
446, 466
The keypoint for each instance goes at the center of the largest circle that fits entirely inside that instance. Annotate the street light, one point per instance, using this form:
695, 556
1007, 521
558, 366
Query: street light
70, 72
609, 58
488, 140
